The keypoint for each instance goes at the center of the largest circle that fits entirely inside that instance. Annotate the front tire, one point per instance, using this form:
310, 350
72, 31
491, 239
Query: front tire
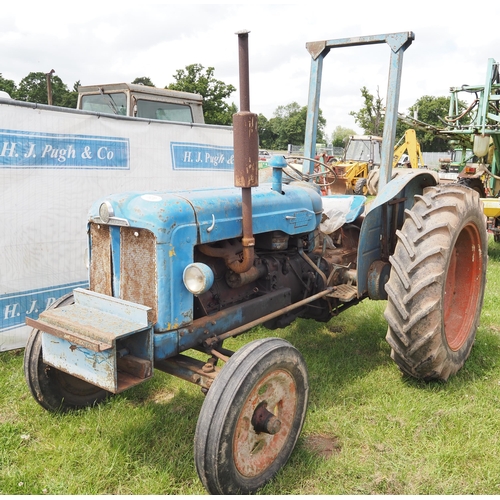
437, 281
251, 418
54, 389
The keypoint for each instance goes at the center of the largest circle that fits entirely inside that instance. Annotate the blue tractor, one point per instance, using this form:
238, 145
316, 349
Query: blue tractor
173, 271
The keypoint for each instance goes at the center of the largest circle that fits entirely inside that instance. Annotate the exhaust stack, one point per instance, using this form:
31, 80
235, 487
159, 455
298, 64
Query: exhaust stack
246, 156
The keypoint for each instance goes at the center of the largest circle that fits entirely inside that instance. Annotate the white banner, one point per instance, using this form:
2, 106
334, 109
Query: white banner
54, 164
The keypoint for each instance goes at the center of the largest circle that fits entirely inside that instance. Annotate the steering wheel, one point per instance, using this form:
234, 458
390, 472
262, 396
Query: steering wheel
309, 177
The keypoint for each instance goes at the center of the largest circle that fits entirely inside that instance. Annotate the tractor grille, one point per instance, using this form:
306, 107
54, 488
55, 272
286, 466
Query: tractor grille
137, 265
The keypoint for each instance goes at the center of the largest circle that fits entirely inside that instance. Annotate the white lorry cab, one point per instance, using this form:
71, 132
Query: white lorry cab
141, 101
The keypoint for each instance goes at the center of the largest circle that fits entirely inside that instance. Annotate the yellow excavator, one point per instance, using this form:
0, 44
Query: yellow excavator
362, 154
407, 151
407, 154
361, 162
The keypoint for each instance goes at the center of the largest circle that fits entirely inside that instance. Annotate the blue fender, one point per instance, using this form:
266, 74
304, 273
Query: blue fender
384, 216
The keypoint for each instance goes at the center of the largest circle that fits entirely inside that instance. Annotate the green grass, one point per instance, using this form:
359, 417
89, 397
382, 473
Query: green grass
387, 434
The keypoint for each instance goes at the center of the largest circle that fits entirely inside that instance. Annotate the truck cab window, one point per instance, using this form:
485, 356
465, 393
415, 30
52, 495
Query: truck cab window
164, 111
115, 103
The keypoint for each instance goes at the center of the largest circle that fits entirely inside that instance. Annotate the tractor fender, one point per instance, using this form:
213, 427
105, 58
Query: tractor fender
377, 236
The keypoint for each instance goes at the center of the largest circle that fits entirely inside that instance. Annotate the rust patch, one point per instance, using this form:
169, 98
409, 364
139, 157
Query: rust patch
138, 268
100, 263
255, 451
323, 445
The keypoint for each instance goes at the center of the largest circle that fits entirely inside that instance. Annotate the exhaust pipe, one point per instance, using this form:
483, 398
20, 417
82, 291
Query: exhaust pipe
246, 156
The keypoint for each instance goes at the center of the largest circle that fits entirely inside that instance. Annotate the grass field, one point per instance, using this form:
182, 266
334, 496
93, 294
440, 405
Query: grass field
368, 428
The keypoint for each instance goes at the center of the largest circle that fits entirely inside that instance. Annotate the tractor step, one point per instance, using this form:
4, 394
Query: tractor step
345, 293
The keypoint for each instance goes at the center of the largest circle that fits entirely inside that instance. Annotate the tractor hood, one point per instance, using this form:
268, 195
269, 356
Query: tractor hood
214, 215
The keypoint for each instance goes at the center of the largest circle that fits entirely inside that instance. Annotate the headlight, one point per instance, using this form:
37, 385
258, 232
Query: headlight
198, 278
106, 211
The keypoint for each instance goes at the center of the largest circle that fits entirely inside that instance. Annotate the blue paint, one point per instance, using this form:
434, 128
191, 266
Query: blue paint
166, 344
15, 307
24, 149
191, 156
278, 163
372, 230
181, 220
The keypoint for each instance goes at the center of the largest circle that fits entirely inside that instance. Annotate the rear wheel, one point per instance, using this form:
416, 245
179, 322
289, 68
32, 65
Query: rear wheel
473, 183
437, 281
251, 418
54, 389
372, 181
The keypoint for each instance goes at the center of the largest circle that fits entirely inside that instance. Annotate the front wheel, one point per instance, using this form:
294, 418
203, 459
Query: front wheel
251, 418
437, 281
360, 187
54, 389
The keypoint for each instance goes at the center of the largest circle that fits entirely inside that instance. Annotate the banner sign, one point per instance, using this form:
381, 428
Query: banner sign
16, 307
54, 163
19, 149
186, 156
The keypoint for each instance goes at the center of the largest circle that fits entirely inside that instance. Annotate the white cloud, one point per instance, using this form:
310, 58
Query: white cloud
100, 42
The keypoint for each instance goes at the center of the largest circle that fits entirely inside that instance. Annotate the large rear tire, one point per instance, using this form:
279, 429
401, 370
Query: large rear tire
437, 281
372, 181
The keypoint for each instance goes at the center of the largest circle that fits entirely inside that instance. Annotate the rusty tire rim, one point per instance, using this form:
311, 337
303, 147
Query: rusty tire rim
252, 417
464, 273
255, 451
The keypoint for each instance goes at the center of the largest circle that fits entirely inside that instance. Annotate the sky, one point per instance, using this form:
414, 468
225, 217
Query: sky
112, 42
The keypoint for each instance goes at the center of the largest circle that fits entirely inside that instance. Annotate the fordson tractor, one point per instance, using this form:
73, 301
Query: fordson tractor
173, 271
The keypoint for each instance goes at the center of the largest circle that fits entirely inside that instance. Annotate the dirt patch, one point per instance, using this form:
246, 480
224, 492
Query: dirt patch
162, 396
323, 445
335, 329
7, 417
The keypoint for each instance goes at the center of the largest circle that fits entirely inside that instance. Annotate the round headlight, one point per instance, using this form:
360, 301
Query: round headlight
198, 278
106, 211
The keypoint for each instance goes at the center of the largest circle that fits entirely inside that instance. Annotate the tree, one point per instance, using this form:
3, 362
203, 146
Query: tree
70, 99
431, 110
8, 86
340, 135
194, 78
266, 136
33, 88
370, 117
288, 126
144, 80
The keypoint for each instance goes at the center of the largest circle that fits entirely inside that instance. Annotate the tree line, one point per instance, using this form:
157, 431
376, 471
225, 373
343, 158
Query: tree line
428, 109
193, 78
286, 126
